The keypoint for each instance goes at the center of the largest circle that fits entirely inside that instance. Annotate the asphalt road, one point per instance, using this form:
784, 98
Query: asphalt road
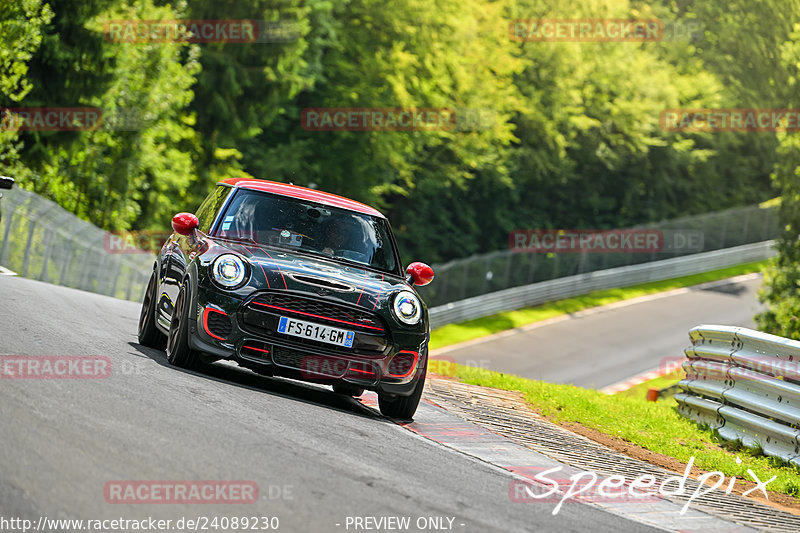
599, 348
316, 457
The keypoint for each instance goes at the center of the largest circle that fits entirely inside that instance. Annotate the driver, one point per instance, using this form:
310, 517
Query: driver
342, 233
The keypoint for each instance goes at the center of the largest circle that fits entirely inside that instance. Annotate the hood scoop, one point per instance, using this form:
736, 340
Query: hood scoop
322, 282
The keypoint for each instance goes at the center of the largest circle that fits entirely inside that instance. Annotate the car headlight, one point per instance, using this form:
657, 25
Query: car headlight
228, 270
407, 307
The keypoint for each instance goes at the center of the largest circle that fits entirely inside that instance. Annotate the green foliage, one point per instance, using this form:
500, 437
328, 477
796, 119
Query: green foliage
20, 36
781, 291
569, 137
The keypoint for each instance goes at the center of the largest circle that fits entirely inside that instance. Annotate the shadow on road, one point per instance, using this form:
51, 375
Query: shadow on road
732, 289
278, 386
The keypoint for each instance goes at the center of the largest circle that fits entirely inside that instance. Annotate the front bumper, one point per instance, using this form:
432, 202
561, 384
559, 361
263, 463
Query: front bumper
227, 327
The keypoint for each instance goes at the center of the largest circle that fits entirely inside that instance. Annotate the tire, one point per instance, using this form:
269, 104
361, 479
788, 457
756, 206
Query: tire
402, 406
178, 351
348, 390
149, 334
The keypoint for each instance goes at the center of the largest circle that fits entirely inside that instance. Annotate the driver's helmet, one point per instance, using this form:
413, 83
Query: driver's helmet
344, 233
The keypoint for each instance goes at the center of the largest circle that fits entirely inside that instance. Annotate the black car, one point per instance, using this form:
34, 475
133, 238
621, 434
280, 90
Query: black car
292, 282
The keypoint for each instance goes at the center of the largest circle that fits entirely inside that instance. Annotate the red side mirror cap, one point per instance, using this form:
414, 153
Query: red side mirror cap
421, 274
185, 223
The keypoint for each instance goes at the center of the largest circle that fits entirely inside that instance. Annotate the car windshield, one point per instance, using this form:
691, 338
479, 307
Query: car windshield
308, 227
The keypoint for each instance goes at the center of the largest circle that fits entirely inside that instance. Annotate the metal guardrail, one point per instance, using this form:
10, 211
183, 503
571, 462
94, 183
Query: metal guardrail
746, 385
504, 269
41, 240
547, 291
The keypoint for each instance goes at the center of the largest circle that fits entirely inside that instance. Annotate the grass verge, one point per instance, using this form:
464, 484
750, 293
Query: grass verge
656, 426
481, 327
661, 382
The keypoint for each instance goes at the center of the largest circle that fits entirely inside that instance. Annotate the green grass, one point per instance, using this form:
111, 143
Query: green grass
480, 327
656, 426
661, 382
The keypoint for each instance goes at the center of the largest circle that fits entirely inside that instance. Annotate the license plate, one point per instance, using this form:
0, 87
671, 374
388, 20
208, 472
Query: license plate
317, 332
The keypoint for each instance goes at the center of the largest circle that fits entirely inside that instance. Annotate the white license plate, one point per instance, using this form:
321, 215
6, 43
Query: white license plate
317, 332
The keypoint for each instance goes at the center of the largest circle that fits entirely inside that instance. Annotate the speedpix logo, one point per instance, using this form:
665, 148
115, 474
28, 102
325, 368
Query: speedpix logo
543, 485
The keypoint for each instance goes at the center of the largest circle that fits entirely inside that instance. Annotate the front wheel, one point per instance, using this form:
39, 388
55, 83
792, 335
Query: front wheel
149, 335
402, 406
178, 351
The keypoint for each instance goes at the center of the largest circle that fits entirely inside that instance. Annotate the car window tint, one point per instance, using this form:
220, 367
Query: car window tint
207, 211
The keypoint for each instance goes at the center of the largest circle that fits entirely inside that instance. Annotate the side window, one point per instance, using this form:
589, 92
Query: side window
207, 211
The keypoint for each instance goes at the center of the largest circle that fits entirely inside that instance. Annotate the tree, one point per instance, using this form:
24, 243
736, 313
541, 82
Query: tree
20, 37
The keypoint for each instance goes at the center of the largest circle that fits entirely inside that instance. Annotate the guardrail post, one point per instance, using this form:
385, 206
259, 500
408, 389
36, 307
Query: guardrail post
532, 268
116, 277
10, 217
84, 269
724, 233
130, 287
464, 281
7, 235
27, 259
64, 269
47, 249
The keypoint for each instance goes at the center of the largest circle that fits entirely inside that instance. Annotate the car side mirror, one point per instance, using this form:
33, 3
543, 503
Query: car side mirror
185, 223
6, 182
419, 274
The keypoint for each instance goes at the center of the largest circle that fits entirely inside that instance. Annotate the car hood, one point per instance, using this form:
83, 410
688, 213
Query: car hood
283, 270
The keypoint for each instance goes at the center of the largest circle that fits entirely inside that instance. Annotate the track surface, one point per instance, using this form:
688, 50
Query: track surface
316, 456
599, 348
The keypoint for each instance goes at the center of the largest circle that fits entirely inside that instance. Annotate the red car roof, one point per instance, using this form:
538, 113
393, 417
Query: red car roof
303, 193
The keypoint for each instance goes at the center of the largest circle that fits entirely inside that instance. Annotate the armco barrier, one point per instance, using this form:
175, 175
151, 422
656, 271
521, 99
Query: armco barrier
547, 291
746, 385
499, 270
41, 240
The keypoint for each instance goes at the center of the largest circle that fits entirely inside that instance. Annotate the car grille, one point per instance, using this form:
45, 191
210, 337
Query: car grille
310, 309
308, 364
